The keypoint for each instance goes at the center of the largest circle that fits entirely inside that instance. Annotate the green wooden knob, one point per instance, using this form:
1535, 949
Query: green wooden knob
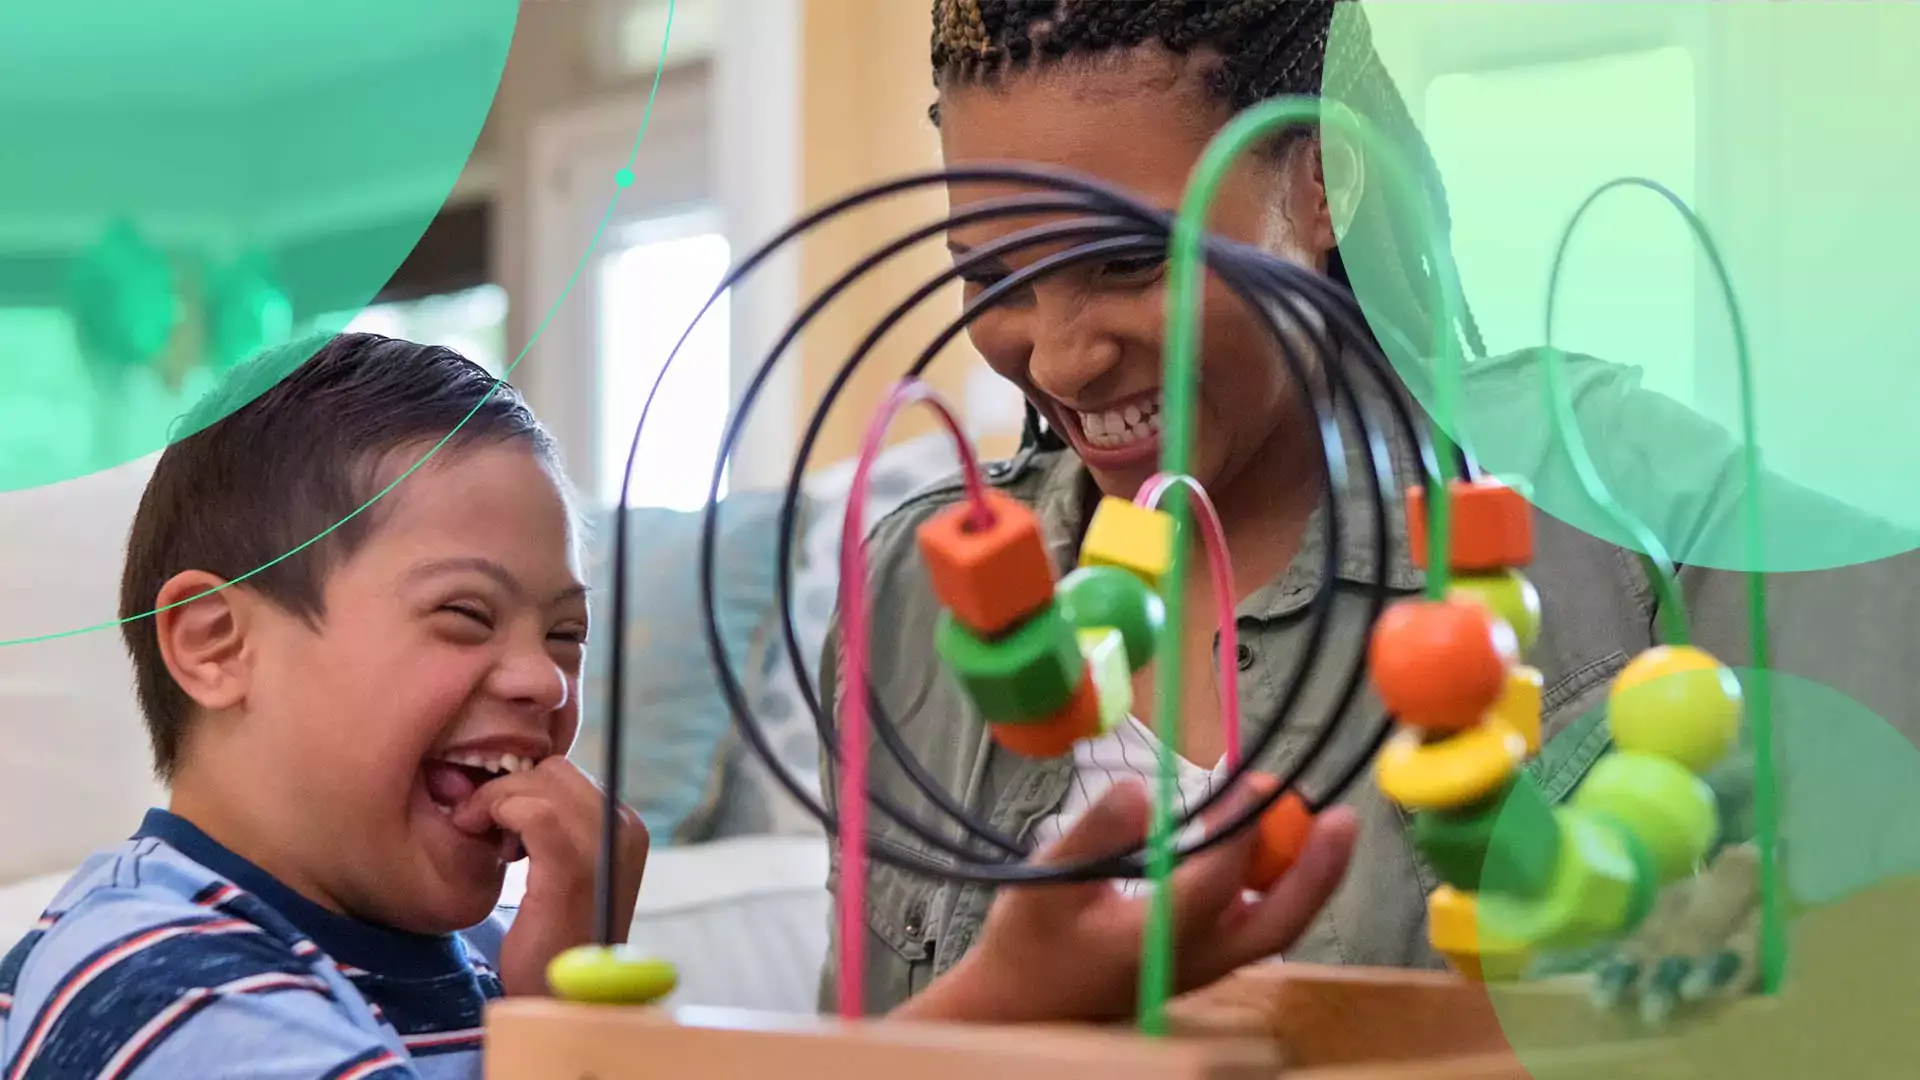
1661, 802
1027, 675
1508, 842
595, 974
1102, 597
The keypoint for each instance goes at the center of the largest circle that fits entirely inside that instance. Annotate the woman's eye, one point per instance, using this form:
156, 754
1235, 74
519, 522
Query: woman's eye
570, 637
1135, 267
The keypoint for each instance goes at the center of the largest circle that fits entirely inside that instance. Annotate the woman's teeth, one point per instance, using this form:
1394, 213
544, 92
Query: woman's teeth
1118, 428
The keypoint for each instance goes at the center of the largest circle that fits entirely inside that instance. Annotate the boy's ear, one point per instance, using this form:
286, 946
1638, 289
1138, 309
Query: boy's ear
202, 625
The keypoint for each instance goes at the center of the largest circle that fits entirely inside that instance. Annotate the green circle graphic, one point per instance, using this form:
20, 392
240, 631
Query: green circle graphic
188, 183
1849, 790
1777, 125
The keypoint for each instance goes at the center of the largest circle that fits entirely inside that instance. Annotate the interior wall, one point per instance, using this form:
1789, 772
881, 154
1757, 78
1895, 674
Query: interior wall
865, 88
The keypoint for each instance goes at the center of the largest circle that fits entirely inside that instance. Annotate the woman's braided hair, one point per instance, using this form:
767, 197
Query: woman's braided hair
1264, 49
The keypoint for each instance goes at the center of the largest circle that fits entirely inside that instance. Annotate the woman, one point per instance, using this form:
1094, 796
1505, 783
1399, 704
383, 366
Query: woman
1131, 93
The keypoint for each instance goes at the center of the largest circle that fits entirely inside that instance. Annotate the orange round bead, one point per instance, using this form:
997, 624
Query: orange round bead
1440, 665
1283, 829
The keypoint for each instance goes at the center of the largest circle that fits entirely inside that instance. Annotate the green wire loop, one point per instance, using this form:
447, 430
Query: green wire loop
1773, 937
1180, 391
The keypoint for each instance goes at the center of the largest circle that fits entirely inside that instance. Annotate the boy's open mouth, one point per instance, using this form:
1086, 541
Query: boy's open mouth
452, 780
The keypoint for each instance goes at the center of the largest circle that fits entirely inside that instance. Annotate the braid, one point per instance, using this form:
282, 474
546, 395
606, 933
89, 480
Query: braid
1260, 49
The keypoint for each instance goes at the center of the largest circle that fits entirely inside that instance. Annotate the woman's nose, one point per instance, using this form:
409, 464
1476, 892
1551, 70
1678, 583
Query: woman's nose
1071, 359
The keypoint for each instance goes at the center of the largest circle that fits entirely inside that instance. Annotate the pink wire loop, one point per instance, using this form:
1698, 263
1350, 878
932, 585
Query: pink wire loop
851, 898
1214, 536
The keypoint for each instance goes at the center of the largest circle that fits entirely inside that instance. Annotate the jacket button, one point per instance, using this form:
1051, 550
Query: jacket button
1243, 655
916, 923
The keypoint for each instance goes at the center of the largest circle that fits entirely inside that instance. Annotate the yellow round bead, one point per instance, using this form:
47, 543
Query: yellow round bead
1675, 702
598, 975
1449, 772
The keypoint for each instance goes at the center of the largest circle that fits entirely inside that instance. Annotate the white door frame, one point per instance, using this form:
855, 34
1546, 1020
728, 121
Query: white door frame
573, 158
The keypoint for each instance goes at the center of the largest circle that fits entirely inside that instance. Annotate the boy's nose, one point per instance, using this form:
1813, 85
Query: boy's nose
533, 680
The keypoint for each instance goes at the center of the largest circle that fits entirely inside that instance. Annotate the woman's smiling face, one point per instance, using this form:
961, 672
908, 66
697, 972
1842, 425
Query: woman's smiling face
1085, 344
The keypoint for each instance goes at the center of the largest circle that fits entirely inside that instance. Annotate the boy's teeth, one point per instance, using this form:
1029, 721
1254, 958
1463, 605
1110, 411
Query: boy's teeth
1114, 428
495, 763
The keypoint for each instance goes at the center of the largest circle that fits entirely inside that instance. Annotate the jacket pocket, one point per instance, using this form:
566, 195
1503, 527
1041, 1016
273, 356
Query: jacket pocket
1573, 726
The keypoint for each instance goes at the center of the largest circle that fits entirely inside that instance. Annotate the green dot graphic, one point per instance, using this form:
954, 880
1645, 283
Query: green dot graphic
1780, 125
1849, 792
623, 178
188, 183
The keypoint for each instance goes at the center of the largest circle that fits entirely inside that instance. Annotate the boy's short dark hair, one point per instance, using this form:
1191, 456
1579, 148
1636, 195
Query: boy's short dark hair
286, 451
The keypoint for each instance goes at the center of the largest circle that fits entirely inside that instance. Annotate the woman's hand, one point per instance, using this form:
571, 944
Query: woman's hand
1072, 952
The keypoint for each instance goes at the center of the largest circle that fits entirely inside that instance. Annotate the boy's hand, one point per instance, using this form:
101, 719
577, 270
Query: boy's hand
1072, 952
553, 813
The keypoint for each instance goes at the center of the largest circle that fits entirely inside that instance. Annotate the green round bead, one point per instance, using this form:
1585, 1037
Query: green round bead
1509, 595
1660, 802
1595, 890
1102, 597
1507, 843
1028, 674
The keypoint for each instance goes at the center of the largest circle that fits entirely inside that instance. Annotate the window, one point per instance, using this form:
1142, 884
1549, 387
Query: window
1521, 149
650, 286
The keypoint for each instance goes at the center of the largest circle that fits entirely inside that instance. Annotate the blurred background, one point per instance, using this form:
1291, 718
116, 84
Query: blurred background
504, 234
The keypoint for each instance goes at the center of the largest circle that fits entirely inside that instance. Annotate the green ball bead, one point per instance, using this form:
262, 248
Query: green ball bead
1508, 843
1668, 809
1025, 675
1509, 595
1102, 597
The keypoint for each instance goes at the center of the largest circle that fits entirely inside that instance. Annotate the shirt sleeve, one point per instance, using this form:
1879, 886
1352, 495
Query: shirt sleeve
198, 997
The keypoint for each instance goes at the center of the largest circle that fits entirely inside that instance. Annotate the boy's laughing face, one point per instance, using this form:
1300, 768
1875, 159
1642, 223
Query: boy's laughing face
449, 653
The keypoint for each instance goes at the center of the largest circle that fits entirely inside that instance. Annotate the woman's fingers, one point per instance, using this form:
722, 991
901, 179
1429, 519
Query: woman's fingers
1273, 923
1207, 883
1111, 826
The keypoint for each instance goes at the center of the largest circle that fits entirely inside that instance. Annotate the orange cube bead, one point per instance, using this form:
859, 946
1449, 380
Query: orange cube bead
1491, 526
1284, 829
990, 578
1055, 736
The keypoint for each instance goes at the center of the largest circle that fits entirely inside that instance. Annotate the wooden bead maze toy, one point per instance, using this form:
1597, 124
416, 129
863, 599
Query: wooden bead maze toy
1048, 662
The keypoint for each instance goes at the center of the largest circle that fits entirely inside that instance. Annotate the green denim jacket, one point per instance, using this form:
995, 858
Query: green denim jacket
1849, 628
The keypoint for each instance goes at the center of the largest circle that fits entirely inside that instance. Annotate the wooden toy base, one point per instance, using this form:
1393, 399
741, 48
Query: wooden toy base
1306, 1022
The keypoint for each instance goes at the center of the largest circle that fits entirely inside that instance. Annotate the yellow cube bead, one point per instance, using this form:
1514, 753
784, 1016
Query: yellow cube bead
1518, 707
1132, 538
1454, 930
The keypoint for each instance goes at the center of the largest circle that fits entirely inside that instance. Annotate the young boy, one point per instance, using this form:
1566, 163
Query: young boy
356, 620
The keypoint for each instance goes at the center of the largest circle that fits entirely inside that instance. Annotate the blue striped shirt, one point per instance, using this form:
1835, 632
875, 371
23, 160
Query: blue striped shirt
170, 956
